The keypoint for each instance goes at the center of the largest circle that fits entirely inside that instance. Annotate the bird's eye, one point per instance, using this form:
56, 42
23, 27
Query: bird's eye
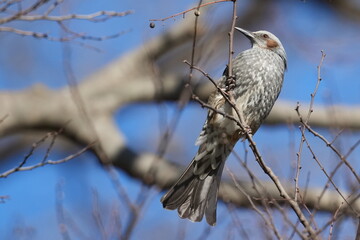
265, 36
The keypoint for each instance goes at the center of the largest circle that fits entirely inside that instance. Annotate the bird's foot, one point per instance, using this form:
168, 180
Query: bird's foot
248, 130
230, 83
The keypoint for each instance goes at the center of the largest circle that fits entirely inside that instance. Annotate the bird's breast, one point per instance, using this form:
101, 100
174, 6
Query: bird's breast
259, 76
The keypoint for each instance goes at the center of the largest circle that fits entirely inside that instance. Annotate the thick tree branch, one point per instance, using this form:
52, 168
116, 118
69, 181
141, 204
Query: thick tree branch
155, 171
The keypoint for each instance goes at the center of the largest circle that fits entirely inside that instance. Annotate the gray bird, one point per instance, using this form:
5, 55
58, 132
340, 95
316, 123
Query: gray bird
259, 74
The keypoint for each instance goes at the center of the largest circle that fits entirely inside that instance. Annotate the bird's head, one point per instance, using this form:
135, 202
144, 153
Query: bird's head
266, 40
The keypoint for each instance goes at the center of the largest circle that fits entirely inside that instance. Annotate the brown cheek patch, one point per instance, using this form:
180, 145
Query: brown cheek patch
271, 43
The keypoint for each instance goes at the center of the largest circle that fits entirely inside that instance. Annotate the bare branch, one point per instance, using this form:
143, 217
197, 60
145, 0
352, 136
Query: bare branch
188, 10
100, 16
60, 213
298, 154
71, 37
24, 15
333, 221
96, 213
53, 6
335, 150
357, 237
268, 221
43, 163
30, 9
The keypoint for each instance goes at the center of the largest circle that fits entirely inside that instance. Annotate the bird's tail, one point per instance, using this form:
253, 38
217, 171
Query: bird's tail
196, 191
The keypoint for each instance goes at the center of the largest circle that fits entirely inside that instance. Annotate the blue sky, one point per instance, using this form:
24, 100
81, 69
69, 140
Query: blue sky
305, 28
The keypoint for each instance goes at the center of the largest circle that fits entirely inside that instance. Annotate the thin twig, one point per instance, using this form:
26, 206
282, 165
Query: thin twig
53, 6
41, 35
47, 162
26, 11
236, 222
337, 135
333, 221
7, 5
230, 79
357, 237
188, 10
311, 109
3, 118
332, 174
326, 174
52, 142
4, 198
287, 220
120, 190
60, 213
352, 148
96, 213
135, 216
268, 222
335, 150
184, 95
100, 16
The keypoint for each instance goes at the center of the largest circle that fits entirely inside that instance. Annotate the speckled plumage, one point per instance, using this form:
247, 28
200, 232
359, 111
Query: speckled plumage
259, 73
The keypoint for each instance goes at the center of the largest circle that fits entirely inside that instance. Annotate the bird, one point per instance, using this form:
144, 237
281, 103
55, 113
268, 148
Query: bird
258, 74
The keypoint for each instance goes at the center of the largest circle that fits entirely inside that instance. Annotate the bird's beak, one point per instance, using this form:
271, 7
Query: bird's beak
247, 33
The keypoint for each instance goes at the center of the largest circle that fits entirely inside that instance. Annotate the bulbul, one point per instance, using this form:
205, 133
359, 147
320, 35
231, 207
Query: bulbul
259, 74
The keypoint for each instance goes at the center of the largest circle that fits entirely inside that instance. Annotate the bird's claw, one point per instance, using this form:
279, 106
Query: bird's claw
248, 130
230, 83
